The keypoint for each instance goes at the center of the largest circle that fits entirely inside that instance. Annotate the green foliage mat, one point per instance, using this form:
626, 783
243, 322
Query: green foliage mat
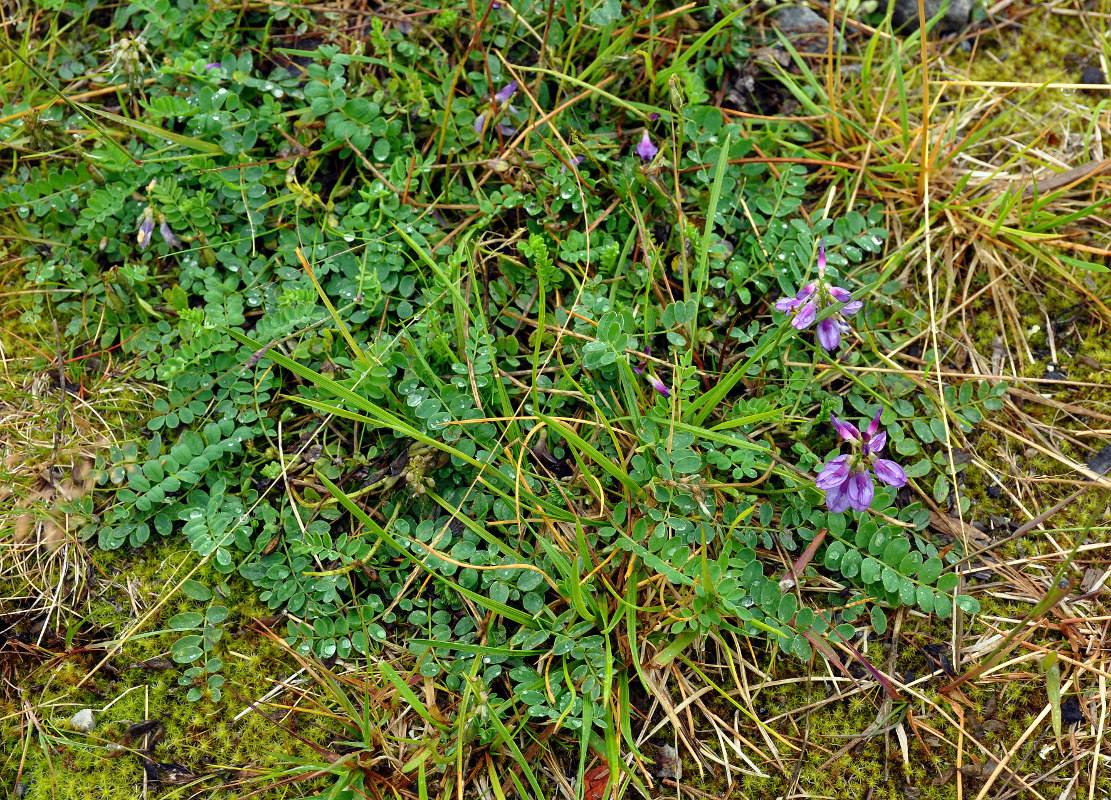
441, 428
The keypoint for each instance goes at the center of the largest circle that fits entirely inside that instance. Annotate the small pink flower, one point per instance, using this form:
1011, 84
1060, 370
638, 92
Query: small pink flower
645, 149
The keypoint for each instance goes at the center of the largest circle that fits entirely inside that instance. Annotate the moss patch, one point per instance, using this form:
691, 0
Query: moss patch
51, 760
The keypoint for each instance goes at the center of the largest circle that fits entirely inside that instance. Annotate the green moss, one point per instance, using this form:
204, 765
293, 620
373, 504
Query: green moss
1042, 49
201, 736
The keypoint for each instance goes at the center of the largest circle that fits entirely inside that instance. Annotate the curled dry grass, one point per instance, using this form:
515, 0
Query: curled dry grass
56, 415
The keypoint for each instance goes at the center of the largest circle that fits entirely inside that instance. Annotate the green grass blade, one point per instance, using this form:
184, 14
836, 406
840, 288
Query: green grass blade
492, 605
408, 694
602, 461
188, 142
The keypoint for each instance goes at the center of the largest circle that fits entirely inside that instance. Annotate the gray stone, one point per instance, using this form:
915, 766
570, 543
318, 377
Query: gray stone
800, 19
83, 721
904, 15
1100, 463
668, 763
1092, 75
807, 30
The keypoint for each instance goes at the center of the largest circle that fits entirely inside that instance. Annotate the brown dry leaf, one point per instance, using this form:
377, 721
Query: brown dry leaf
958, 529
594, 782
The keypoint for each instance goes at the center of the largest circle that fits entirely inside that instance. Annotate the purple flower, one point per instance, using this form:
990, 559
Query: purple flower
889, 472
874, 439
213, 65
639, 368
803, 307
645, 149
842, 295
168, 235
146, 229
574, 163
499, 98
655, 115
506, 92
846, 430
659, 386
829, 333
847, 479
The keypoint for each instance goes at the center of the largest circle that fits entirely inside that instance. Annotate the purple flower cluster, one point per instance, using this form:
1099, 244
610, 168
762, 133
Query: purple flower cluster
500, 98
146, 230
847, 479
803, 307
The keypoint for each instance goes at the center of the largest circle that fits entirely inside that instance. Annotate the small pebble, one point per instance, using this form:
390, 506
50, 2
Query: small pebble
83, 721
794, 19
668, 763
1092, 75
1070, 710
1101, 462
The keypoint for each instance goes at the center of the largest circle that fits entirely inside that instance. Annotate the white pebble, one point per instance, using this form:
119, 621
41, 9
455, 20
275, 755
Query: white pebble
83, 721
